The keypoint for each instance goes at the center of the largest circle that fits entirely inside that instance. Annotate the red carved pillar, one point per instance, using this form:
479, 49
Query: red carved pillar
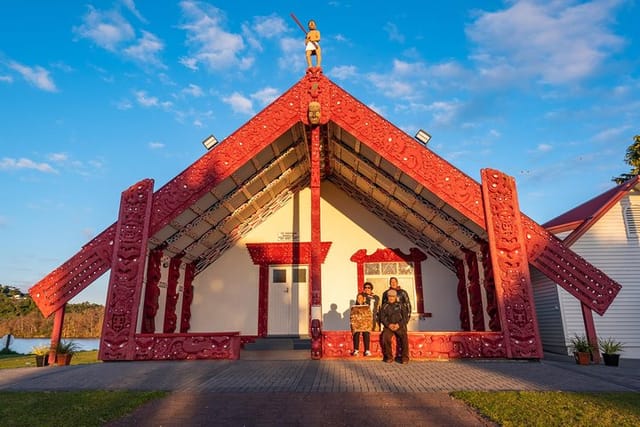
170, 316
508, 250
590, 327
490, 290
151, 293
56, 333
127, 273
316, 243
475, 295
465, 324
187, 297
263, 300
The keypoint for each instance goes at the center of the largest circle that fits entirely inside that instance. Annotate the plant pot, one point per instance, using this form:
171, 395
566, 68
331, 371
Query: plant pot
42, 360
611, 359
582, 358
63, 359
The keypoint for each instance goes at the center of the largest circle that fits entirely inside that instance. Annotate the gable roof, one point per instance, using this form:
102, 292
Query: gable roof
581, 218
250, 174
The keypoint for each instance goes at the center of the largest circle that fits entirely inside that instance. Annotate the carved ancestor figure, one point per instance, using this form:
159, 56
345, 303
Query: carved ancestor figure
312, 44
314, 112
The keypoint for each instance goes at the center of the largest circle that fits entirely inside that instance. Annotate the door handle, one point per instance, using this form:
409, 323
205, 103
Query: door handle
286, 290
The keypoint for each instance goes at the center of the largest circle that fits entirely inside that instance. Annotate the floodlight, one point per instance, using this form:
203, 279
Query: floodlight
423, 137
209, 142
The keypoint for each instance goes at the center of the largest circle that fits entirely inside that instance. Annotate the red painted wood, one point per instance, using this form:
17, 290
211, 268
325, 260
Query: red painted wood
152, 292
171, 301
424, 345
473, 289
127, 273
56, 334
187, 298
590, 327
218, 345
508, 251
463, 298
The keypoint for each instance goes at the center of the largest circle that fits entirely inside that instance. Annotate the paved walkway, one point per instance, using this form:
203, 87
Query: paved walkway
289, 389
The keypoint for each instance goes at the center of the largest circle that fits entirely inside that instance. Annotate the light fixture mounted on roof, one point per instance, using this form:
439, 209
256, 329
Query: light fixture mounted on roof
423, 137
209, 142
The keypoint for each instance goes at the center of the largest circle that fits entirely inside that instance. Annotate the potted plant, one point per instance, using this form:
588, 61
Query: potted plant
610, 351
64, 352
581, 349
42, 355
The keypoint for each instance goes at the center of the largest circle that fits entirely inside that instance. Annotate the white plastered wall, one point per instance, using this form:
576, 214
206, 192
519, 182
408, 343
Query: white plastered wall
226, 293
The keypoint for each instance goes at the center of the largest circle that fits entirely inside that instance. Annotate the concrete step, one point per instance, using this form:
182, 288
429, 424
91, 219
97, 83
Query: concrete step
279, 343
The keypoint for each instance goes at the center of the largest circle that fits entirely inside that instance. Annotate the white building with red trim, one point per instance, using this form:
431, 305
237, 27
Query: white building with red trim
605, 231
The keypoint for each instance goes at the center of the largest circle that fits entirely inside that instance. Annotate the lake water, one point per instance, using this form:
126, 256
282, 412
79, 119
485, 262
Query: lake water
24, 345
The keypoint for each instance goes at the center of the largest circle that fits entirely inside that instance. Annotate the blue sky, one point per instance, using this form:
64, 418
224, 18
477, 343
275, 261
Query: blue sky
97, 96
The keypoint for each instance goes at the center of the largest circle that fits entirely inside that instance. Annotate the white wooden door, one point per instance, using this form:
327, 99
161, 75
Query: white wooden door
288, 300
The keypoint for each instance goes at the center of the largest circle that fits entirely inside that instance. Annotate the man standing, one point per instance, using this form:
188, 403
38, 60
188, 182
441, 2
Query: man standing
403, 296
394, 317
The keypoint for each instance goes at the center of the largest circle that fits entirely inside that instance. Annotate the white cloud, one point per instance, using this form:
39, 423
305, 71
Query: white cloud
269, 26
239, 103
544, 148
58, 157
344, 72
189, 62
151, 101
146, 50
124, 105
8, 163
129, 4
7, 79
36, 76
106, 29
558, 42
193, 90
266, 95
610, 134
392, 31
209, 42
154, 145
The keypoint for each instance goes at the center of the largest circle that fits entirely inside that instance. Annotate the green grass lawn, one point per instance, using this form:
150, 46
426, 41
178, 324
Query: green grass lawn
69, 408
29, 360
555, 408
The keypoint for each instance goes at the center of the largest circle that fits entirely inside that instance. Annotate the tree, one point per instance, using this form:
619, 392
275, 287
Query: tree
632, 157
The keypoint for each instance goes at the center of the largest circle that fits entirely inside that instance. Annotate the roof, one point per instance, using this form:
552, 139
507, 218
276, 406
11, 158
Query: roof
242, 180
581, 218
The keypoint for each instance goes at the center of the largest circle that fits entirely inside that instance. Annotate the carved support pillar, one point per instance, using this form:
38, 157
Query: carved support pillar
170, 316
127, 273
56, 333
473, 288
590, 328
510, 263
187, 298
465, 324
316, 243
263, 300
490, 290
151, 293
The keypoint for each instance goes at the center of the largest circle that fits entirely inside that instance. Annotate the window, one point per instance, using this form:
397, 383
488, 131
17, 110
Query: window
631, 216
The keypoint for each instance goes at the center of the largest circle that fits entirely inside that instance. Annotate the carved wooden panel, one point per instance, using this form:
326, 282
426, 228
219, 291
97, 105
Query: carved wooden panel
187, 298
127, 272
222, 345
151, 293
490, 290
424, 345
473, 289
171, 303
510, 265
461, 291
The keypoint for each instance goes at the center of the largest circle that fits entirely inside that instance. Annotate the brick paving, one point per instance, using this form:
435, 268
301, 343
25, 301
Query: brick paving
306, 392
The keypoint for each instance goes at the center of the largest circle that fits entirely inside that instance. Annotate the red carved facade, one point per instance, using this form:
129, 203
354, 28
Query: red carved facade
151, 293
514, 242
